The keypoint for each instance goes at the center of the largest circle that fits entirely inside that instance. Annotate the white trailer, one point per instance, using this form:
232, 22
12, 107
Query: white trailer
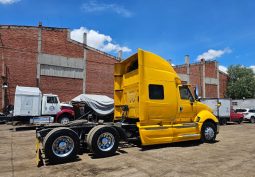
243, 103
221, 108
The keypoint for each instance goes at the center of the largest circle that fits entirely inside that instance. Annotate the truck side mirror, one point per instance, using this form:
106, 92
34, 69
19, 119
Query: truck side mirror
191, 99
198, 98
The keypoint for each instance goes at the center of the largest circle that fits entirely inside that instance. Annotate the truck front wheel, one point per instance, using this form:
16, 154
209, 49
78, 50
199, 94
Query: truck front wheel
223, 121
208, 132
103, 141
64, 120
60, 145
252, 119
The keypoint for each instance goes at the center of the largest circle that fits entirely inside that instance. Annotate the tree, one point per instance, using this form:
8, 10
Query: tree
241, 82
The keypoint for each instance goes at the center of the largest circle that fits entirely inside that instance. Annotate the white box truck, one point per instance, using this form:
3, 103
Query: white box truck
221, 108
31, 104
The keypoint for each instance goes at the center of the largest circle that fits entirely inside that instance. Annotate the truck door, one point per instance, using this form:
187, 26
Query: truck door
184, 127
50, 105
187, 106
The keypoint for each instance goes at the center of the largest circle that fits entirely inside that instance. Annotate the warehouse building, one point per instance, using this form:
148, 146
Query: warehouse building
205, 76
47, 58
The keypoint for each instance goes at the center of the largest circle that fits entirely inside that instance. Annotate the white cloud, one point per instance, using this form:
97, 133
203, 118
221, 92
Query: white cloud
94, 6
212, 54
97, 40
223, 69
8, 1
253, 68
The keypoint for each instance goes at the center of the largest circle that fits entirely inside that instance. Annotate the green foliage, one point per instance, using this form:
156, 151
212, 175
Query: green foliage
241, 82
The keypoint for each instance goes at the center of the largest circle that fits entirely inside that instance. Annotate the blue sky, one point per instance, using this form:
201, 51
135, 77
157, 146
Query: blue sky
214, 29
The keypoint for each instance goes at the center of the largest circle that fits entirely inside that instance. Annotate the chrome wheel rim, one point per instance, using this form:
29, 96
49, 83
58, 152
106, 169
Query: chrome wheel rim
105, 141
65, 120
63, 146
209, 133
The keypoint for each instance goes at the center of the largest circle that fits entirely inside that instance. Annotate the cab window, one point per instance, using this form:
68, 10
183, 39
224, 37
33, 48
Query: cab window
133, 66
156, 92
52, 99
185, 93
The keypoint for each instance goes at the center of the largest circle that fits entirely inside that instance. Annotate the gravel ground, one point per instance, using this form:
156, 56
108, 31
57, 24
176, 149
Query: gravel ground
232, 155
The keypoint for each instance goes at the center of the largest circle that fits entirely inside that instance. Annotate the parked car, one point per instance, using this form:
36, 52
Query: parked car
236, 117
249, 114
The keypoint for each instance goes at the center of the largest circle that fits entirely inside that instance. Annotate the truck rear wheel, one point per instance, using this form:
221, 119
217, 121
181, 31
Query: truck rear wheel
208, 132
103, 140
61, 145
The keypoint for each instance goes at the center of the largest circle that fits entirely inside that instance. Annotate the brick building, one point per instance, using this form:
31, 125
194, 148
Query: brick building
206, 76
47, 58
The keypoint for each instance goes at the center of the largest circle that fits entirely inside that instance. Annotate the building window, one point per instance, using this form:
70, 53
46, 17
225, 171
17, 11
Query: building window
156, 92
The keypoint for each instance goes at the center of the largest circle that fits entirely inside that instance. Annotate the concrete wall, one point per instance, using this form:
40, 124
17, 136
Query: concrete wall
46, 57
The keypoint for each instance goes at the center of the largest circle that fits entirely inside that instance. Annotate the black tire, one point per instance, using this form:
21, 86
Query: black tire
112, 138
252, 120
52, 139
64, 119
223, 121
208, 132
240, 121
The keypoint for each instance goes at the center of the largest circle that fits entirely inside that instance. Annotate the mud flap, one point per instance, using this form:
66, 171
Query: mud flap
38, 159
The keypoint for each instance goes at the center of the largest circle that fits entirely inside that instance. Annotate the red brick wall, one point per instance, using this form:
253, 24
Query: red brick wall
20, 53
181, 69
65, 88
211, 91
195, 77
223, 84
55, 42
211, 69
100, 70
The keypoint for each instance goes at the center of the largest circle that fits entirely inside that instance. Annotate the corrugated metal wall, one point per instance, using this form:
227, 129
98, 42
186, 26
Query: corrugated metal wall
59, 66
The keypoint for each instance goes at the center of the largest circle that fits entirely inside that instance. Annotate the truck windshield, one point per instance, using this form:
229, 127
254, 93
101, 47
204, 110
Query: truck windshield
52, 99
241, 110
133, 66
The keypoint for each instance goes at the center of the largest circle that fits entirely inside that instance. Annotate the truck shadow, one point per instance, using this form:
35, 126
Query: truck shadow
120, 150
47, 163
177, 144
122, 147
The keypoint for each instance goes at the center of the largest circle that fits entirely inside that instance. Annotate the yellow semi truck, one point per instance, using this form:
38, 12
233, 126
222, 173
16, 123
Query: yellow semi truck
151, 106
